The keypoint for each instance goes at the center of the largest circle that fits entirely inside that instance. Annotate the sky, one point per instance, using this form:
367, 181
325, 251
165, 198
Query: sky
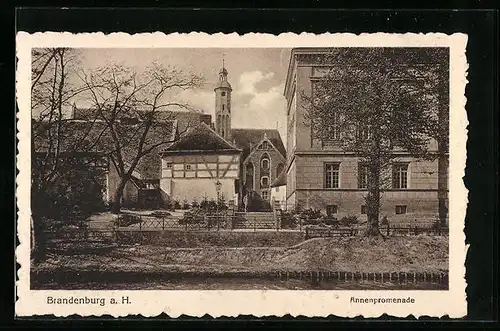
257, 76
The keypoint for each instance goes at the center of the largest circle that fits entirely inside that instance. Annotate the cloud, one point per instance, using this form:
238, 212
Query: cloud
249, 79
255, 106
257, 102
198, 99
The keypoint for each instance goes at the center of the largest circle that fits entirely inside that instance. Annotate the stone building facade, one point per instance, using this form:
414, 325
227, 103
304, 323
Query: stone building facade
261, 168
323, 176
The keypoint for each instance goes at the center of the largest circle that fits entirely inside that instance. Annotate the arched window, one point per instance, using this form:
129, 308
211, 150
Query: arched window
264, 181
264, 145
223, 106
249, 176
264, 163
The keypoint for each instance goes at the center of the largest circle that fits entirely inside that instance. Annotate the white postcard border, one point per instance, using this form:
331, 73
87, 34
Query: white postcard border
315, 303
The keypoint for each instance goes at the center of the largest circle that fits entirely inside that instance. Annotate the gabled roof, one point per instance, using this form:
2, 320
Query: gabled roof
247, 139
255, 148
280, 180
201, 139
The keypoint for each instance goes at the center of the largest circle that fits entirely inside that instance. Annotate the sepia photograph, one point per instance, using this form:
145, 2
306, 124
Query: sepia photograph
225, 175
259, 168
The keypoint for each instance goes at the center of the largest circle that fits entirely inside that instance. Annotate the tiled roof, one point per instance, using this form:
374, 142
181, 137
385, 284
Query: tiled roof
80, 136
246, 139
201, 139
185, 119
280, 180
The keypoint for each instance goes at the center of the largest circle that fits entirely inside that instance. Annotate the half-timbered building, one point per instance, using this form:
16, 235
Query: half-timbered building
193, 167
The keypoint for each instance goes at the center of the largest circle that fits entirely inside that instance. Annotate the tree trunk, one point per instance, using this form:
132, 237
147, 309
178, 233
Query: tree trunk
38, 238
39, 241
372, 202
373, 199
442, 187
117, 199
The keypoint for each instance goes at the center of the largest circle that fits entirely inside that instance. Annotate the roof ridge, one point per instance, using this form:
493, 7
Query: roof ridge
255, 129
227, 145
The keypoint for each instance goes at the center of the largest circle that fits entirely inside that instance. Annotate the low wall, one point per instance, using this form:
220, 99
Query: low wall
208, 239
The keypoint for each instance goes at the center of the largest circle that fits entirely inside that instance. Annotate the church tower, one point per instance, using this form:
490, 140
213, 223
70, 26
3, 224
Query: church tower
223, 104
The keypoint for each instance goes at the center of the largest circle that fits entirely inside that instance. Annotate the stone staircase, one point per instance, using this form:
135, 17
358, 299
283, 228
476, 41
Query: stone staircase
254, 220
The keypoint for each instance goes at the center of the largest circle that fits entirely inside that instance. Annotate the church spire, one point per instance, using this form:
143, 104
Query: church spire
223, 103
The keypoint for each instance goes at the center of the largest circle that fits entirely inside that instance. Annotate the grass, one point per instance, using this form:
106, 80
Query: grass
357, 254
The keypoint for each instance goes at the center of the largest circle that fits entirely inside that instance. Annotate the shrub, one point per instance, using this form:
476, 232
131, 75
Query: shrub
208, 206
331, 220
221, 204
350, 220
311, 214
160, 214
194, 216
289, 220
71, 198
127, 220
195, 204
211, 207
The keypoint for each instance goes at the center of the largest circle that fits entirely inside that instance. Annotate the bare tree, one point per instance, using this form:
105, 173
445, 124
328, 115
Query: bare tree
51, 90
376, 103
133, 113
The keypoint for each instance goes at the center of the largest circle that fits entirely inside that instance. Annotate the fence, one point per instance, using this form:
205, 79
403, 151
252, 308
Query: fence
239, 221
330, 232
407, 229
100, 231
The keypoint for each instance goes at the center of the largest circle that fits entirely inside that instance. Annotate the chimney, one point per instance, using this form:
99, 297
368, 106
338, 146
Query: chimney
206, 118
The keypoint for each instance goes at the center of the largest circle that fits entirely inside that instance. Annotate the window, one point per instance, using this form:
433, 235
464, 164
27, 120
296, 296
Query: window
264, 163
364, 132
320, 71
400, 175
265, 195
332, 175
332, 209
400, 209
100, 163
264, 181
188, 167
223, 106
264, 145
332, 134
363, 209
169, 165
362, 175
223, 94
